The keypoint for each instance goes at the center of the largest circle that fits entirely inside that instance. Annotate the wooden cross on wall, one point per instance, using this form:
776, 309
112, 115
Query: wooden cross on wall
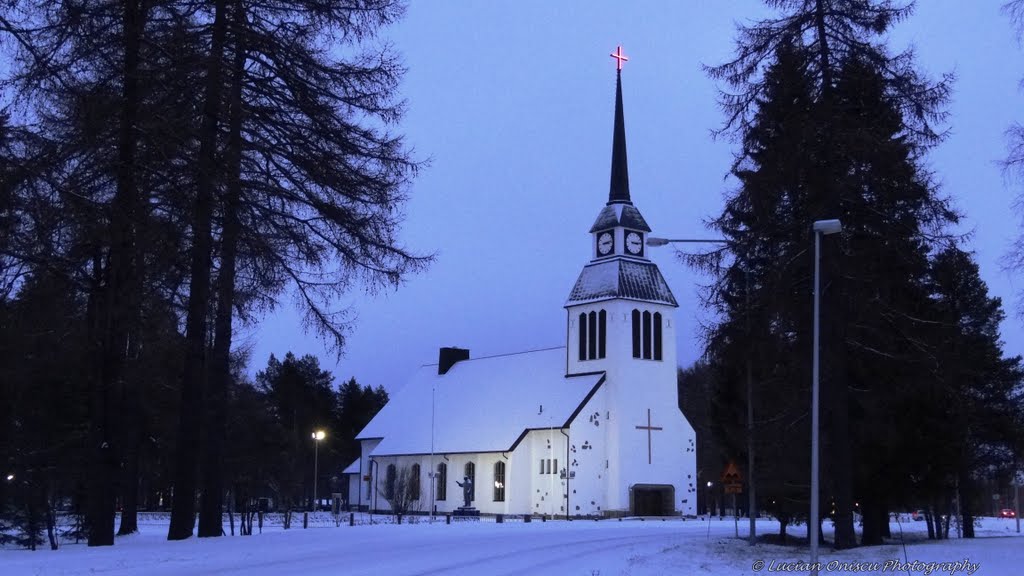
649, 428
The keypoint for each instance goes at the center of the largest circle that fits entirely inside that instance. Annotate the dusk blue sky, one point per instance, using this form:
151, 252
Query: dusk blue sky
512, 104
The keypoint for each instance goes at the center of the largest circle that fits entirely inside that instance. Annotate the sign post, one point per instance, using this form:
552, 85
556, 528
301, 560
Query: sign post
733, 482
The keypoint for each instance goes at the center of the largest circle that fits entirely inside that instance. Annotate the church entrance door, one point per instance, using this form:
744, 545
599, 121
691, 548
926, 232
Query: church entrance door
652, 499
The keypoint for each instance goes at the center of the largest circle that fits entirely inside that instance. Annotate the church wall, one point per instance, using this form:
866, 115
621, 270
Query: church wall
484, 496
588, 458
484, 482
632, 387
545, 485
657, 457
361, 498
517, 487
354, 481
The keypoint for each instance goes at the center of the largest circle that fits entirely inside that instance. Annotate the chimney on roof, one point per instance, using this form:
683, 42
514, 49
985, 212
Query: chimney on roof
448, 357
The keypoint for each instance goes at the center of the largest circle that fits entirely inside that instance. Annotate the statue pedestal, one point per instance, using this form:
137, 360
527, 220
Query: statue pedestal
466, 512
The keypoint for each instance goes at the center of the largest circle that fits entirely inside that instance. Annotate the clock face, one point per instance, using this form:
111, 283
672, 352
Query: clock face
634, 243
604, 243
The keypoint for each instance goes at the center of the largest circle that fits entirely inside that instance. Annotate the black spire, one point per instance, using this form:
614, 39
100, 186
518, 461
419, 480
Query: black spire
618, 193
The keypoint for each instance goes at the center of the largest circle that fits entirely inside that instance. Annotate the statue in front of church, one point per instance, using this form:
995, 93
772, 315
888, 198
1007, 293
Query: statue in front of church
467, 490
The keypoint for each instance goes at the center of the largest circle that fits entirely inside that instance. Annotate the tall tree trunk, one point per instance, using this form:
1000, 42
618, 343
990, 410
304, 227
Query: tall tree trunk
119, 302
874, 515
966, 510
210, 512
183, 512
130, 471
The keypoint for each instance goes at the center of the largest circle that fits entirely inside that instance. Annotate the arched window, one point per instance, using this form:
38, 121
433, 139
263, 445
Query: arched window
499, 481
471, 474
414, 482
592, 336
657, 335
647, 335
583, 336
636, 333
593, 333
389, 482
442, 481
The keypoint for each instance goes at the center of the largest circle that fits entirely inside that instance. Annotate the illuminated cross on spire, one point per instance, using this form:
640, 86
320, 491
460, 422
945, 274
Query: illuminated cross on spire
619, 58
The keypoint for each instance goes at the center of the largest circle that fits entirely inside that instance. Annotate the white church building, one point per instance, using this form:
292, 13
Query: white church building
592, 429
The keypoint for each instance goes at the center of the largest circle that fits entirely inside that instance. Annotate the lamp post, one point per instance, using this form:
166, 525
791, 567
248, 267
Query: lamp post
433, 470
751, 494
317, 436
821, 228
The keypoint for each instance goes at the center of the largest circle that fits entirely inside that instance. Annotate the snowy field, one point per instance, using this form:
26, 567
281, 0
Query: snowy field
630, 546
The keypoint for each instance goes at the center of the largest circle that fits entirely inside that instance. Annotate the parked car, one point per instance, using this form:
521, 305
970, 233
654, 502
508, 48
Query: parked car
1007, 513
917, 515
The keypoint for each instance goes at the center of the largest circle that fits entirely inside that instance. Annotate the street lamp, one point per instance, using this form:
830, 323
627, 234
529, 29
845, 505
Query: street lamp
821, 228
317, 436
751, 495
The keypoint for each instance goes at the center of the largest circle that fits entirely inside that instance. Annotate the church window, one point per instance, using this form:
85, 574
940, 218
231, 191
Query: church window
592, 336
636, 333
389, 482
471, 474
583, 336
647, 335
548, 466
414, 482
442, 481
593, 332
499, 481
657, 335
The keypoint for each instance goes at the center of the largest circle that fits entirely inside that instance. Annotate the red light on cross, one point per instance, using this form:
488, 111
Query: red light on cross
619, 57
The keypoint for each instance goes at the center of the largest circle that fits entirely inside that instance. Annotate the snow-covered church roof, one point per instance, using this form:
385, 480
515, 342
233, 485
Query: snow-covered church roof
480, 405
621, 278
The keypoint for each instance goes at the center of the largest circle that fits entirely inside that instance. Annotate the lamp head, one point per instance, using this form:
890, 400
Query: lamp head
319, 435
655, 241
827, 227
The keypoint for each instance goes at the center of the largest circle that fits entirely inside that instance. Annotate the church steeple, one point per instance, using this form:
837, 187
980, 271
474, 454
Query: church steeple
619, 228
618, 192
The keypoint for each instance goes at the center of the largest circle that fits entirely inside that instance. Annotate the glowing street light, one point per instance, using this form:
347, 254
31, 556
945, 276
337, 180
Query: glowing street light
317, 436
10, 477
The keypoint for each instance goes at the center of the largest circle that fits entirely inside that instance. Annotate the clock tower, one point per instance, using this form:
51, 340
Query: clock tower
621, 322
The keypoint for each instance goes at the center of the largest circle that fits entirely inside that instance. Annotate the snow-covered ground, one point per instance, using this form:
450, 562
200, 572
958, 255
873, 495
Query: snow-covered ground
631, 546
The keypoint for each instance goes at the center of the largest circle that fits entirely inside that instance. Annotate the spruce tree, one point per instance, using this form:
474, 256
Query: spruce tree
854, 153
978, 385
